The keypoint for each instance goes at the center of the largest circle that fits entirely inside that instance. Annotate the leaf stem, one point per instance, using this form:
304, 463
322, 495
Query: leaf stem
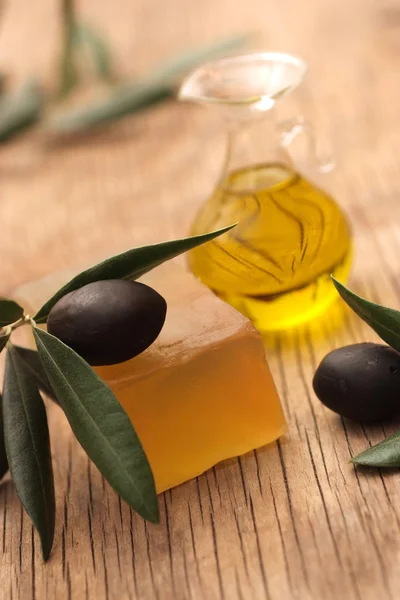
22, 321
67, 71
5, 331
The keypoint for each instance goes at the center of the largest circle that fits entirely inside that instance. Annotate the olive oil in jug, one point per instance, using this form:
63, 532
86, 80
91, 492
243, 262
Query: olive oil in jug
275, 265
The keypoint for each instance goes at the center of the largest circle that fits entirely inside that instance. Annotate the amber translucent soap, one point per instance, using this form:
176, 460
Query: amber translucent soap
203, 391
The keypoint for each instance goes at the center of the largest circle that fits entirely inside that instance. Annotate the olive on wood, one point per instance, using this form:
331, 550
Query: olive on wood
360, 381
108, 322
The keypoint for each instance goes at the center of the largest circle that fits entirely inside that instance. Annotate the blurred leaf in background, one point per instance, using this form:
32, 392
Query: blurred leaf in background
81, 42
82, 47
20, 109
132, 96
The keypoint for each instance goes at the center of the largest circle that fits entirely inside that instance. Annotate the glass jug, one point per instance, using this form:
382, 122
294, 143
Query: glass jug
275, 265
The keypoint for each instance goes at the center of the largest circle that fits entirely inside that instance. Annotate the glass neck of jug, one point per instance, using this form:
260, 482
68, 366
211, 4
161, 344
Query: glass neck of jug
244, 90
263, 142
251, 145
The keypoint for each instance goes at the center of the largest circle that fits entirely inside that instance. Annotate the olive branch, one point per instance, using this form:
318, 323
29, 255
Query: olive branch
97, 419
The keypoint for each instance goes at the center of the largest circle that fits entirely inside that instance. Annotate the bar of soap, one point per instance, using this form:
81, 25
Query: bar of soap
203, 391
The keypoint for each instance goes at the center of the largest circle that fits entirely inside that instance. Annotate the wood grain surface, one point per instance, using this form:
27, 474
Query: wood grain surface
293, 520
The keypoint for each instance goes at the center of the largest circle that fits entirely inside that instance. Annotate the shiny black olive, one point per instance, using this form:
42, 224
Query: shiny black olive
108, 322
361, 382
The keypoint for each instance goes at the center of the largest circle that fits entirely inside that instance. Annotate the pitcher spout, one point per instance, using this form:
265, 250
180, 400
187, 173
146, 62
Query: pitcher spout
254, 81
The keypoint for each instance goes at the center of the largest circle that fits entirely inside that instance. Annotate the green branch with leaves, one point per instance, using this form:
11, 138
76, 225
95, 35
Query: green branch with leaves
96, 417
386, 323
84, 49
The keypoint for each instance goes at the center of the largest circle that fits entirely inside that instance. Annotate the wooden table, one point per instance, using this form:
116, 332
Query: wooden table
293, 520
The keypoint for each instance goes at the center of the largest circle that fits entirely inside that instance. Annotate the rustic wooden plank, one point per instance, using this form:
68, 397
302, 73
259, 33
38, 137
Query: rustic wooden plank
292, 520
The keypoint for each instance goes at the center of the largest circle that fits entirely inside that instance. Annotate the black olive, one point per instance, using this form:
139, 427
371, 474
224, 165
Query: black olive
108, 322
361, 382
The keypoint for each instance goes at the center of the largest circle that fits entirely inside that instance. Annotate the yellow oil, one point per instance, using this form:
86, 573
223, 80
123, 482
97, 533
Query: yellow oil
275, 266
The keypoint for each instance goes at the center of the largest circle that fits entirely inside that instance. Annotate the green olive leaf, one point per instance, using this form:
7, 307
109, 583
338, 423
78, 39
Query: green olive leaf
100, 424
384, 454
28, 448
174, 68
98, 48
32, 363
128, 265
384, 321
68, 70
10, 312
125, 99
21, 109
80, 37
3, 82
142, 93
3, 454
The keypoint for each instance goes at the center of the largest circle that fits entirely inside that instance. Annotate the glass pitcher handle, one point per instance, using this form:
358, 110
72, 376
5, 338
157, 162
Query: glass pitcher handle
291, 128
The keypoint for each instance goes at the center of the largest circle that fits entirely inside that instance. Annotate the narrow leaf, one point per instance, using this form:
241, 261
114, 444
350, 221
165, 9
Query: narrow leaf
123, 100
100, 424
128, 265
32, 363
384, 321
384, 454
98, 48
28, 448
21, 109
142, 93
174, 68
3, 454
4, 337
10, 312
3, 82
79, 36
68, 71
